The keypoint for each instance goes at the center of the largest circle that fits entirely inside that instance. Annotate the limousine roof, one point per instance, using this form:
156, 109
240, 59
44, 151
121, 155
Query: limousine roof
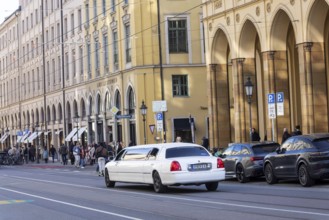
166, 145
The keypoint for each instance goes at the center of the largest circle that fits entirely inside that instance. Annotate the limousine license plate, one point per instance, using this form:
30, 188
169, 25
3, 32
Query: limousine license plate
199, 166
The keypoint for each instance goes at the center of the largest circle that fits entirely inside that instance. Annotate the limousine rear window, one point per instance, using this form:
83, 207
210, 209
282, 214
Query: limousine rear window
186, 152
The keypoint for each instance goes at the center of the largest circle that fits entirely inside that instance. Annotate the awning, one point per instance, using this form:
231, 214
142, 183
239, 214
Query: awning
19, 138
4, 137
24, 137
182, 124
33, 136
70, 135
80, 132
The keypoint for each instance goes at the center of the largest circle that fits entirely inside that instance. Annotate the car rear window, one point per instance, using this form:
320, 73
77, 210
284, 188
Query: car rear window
186, 152
264, 149
322, 144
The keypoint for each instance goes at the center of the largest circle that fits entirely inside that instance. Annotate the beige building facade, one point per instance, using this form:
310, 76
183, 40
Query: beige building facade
282, 46
80, 63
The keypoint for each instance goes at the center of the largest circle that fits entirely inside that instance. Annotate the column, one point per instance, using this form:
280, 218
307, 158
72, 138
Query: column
212, 100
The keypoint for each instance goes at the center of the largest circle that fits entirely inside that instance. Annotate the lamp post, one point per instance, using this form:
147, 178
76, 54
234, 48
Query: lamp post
38, 145
143, 109
249, 86
76, 120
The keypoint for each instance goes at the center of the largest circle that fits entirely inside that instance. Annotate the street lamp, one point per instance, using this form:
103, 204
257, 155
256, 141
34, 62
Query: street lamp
143, 109
76, 120
249, 86
37, 147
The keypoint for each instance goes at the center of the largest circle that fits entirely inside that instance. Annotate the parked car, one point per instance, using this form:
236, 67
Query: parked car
304, 157
163, 165
245, 160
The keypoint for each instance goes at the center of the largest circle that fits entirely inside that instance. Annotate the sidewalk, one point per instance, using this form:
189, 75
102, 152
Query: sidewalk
57, 165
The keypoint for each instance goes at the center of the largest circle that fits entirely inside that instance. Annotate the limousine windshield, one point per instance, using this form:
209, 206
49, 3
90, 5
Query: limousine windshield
186, 152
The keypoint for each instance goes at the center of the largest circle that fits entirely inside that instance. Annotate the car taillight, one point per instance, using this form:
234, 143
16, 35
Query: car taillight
175, 166
220, 163
256, 158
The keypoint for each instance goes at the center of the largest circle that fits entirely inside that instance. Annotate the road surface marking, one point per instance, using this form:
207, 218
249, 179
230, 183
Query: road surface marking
179, 198
69, 204
7, 202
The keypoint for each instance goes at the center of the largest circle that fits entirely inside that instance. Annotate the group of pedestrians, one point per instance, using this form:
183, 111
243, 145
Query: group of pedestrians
287, 135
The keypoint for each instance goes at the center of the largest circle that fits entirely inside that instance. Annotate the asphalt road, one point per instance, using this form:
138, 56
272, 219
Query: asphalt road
57, 192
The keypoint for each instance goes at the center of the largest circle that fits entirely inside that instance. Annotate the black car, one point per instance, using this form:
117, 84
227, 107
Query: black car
303, 157
245, 160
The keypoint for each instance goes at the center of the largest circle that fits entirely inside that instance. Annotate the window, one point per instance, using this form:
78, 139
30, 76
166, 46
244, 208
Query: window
87, 14
128, 44
65, 28
37, 46
38, 77
105, 50
104, 7
113, 5
27, 52
236, 150
95, 10
80, 19
46, 8
115, 49
59, 66
47, 40
136, 154
52, 36
36, 16
288, 145
32, 49
89, 60
177, 30
58, 33
179, 85
97, 56
72, 24
67, 65
48, 73
131, 100
53, 65
245, 151
81, 59
183, 151
153, 154
73, 63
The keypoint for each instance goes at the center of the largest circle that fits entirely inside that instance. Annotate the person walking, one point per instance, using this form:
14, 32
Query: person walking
63, 151
297, 131
101, 154
76, 154
82, 157
285, 135
45, 154
178, 139
254, 135
52, 152
26, 154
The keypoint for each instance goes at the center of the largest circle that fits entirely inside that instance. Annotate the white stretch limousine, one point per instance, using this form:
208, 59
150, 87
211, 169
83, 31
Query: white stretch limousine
163, 165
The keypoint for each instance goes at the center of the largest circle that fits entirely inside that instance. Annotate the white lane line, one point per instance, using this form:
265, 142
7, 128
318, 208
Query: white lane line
179, 198
70, 204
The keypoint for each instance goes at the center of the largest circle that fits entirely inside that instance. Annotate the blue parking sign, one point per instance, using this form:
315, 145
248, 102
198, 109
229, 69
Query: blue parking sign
270, 98
159, 116
279, 97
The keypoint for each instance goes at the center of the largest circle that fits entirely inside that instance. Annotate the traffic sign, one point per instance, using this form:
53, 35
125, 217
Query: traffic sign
159, 125
280, 103
123, 116
114, 110
271, 105
159, 116
159, 106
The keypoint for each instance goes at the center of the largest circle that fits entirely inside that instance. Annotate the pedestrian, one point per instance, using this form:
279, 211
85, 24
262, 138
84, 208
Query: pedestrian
101, 155
32, 152
205, 142
285, 135
178, 139
76, 154
297, 131
82, 157
131, 143
45, 154
52, 152
63, 151
71, 156
92, 154
254, 135
26, 154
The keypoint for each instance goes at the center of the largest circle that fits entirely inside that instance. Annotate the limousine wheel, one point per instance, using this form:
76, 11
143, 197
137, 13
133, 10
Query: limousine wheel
240, 174
108, 182
212, 186
157, 183
269, 175
304, 176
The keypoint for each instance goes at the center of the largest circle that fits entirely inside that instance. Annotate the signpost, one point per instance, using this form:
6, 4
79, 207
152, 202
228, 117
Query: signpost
159, 117
271, 110
123, 116
280, 103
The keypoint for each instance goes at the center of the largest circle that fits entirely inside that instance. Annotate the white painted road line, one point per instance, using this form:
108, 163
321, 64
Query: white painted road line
70, 204
180, 198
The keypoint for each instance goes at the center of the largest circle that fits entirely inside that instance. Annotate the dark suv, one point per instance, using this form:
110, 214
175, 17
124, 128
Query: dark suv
245, 160
304, 157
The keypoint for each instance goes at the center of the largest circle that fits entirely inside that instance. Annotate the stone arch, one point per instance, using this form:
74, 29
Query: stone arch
42, 115
37, 115
60, 111
68, 112
221, 83
107, 102
54, 113
48, 114
131, 100
90, 102
98, 104
249, 33
117, 101
75, 109
83, 108
316, 21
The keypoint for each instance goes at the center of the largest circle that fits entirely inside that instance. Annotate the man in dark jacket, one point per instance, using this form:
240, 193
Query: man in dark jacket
254, 135
297, 131
285, 135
